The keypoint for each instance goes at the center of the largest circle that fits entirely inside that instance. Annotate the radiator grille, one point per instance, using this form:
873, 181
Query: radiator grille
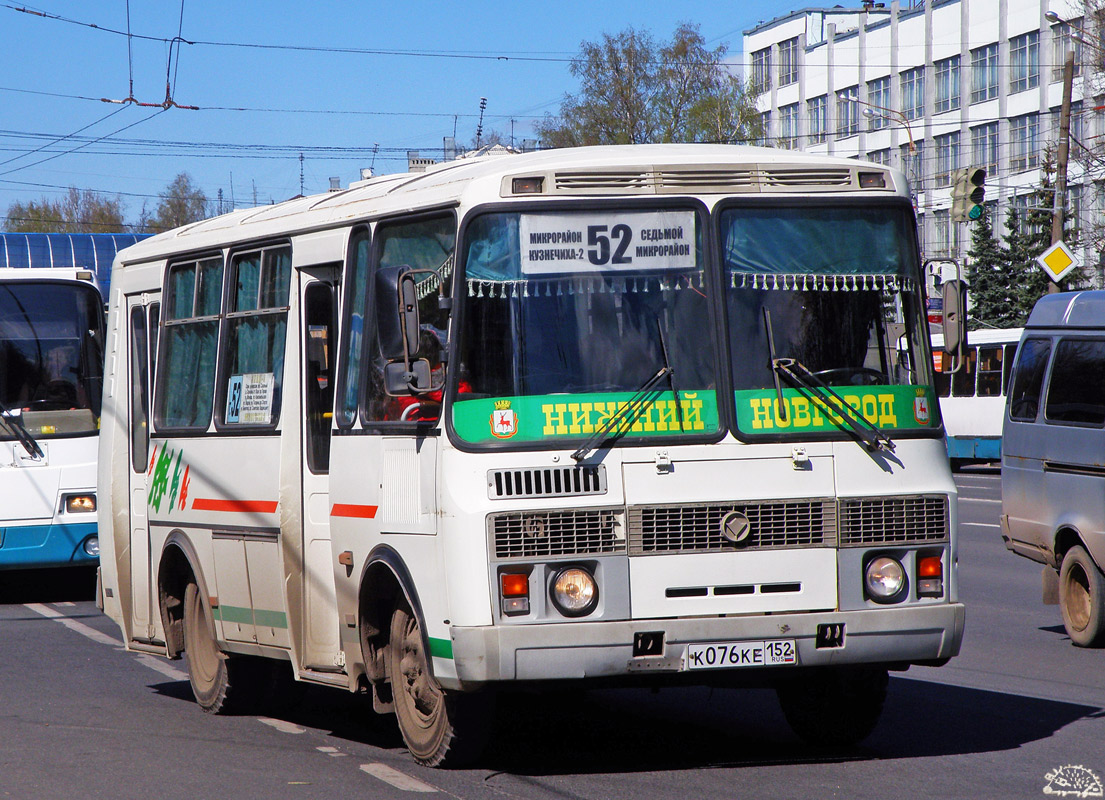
807, 177
532, 534
697, 528
546, 482
704, 179
893, 520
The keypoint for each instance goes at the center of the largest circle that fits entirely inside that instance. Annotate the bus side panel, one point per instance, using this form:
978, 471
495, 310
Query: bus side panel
113, 513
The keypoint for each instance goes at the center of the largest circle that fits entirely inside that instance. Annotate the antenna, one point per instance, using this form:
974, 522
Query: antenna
479, 126
375, 149
233, 207
301, 174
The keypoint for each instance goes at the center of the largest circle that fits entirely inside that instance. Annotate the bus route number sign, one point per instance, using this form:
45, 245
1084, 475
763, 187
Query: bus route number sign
727, 655
554, 244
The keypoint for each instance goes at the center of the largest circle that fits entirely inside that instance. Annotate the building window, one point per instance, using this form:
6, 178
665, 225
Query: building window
913, 93
878, 98
788, 62
947, 157
947, 234
761, 70
1075, 199
984, 147
913, 164
819, 120
880, 156
1076, 123
788, 127
1062, 42
847, 112
765, 123
1024, 142
947, 85
1024, 62
984, 73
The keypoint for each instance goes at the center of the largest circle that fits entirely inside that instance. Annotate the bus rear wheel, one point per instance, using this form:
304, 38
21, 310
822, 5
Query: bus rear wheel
834, 706
221, 683
1082, 598
441, 729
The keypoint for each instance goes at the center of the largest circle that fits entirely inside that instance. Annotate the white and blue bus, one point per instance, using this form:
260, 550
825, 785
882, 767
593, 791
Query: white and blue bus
972, 399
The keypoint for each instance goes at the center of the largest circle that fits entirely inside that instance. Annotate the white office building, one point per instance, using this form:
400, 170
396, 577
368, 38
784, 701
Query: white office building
929, 86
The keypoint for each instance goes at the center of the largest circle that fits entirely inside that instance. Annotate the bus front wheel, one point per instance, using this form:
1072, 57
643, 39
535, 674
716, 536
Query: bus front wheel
1082, 598
441, 729
834, 706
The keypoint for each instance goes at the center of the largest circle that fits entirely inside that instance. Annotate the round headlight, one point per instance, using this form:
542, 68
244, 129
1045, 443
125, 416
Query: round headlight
574, 592
92, 546
884, 579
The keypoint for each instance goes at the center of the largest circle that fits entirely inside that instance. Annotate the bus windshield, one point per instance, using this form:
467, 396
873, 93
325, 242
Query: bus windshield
834, 289
569, 314
50, 356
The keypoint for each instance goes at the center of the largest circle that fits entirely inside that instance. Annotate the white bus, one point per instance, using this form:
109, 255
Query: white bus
51, 374
972, 400
648, 414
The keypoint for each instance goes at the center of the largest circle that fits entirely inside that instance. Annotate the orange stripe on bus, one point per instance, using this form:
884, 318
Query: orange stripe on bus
353, 510
241, 506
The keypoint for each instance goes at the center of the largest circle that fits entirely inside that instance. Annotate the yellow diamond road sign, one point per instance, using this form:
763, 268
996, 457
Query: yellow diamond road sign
1057, 261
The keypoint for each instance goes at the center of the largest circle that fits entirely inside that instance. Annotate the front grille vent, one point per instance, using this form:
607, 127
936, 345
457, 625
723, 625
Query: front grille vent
893, 520
534, 534
573, 182
698, 528
546, 482
716, 179
807, 177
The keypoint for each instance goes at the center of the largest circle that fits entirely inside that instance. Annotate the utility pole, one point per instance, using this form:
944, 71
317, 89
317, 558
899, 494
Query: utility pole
1060, 197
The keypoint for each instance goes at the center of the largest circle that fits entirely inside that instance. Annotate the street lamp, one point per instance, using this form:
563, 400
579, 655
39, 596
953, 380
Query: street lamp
872, 110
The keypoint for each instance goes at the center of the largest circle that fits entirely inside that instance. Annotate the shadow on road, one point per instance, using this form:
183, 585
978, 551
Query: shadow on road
69, 584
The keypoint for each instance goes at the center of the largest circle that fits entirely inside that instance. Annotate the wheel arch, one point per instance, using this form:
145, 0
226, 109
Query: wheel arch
177, 567
1066, 537
384, 579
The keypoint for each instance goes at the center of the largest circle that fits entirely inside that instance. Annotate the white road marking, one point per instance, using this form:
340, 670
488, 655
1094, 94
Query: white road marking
282, 725
400, 780
333, 752
74, 625
162, 666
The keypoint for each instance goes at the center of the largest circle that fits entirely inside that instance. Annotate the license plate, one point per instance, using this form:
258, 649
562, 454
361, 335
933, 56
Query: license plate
727, 655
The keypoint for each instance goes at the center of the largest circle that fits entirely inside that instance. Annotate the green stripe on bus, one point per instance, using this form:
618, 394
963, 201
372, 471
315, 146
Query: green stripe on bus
441, 648
249, 616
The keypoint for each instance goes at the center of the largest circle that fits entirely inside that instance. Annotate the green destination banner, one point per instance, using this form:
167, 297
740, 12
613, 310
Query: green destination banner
758, 410
561, 416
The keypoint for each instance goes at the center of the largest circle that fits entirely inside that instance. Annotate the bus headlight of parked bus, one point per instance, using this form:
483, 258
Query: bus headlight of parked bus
574, 592
885, 580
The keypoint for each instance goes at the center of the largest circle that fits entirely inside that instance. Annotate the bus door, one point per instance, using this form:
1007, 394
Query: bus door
143, 312
318, 327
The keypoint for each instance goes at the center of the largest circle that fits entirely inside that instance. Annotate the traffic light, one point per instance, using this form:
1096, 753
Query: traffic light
967, 193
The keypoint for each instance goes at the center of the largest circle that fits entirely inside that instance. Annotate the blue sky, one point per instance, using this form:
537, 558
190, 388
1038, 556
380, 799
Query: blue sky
53, 73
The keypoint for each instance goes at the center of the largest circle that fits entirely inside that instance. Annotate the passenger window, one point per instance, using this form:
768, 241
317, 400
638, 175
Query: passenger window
257, 323
1076, 394
942, 379
1007, 370
1028, 378
318, 345
989, 371
963, 381
186, 375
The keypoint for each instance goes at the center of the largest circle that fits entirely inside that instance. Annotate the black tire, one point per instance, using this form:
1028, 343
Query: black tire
834, 706
221, 683
1082, 598
441, 729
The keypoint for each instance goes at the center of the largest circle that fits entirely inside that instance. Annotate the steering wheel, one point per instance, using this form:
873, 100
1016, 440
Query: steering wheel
413, 412
853, 376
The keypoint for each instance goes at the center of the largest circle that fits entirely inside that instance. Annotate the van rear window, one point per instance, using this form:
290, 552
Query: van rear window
1077, 391
1028, 378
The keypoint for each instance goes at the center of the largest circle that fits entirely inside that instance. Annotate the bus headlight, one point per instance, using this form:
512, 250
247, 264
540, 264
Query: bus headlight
575, 592
92, 546
80, 503
884, 579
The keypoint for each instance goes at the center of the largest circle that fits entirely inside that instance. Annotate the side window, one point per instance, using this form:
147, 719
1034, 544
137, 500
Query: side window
1076, 394
1028, 379
186, 374
318, 316
257, 324
990, 359
942, 380
1007, 367
352, 347
139, 390
426, 243
963, 381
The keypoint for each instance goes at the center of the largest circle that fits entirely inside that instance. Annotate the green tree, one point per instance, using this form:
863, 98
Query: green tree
181, 203
78, 211
635, 91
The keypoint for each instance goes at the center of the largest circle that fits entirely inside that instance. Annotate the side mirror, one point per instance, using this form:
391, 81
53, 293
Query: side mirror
955, 320
397, 312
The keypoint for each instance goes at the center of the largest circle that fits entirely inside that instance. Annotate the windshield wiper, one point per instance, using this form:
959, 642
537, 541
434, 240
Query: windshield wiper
14, 421
870, 435
618, 424
671, 374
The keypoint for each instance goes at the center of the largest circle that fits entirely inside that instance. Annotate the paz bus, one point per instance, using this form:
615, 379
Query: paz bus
51, 371
603, 416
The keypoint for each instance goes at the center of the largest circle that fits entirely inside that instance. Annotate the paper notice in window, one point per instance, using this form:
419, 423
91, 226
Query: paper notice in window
249, 399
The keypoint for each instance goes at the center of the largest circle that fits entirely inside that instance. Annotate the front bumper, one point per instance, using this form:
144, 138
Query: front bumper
582, 650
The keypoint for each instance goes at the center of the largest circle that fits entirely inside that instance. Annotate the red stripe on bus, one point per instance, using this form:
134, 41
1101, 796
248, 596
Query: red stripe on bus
241, 506
353, 510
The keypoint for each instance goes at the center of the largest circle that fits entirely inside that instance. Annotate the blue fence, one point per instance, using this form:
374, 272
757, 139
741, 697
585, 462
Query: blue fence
94, 251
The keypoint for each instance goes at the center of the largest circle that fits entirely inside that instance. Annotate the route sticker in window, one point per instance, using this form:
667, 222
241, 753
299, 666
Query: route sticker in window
249, 399
606, 242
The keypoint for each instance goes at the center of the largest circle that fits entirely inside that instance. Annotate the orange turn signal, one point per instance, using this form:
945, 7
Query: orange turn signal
515, 584
930, 567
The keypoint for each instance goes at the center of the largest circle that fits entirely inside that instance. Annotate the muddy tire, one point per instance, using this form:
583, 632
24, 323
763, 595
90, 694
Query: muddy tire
834, 706
221, 683
1082, 598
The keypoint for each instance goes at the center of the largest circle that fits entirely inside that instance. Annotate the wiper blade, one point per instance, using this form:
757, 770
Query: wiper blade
618, 424
870, 435
14, 421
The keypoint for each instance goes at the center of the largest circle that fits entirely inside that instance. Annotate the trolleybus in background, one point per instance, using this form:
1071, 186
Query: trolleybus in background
51, 375
649, 414
972, 400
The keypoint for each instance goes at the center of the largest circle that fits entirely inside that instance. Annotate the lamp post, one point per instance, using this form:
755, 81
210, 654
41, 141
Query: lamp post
1060, 197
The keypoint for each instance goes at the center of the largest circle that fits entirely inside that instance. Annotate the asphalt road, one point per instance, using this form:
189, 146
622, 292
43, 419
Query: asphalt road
80, 717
